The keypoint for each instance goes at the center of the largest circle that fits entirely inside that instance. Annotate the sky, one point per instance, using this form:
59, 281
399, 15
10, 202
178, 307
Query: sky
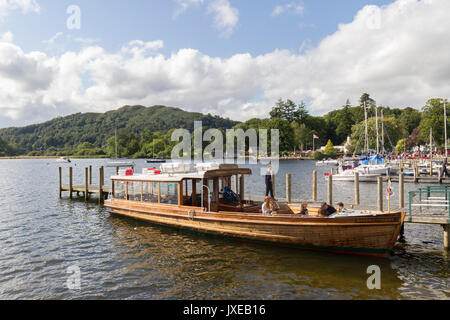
233, 58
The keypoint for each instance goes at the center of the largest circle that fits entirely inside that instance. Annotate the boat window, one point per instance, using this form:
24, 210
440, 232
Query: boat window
119, 190
169, 193
134, 191
150, 192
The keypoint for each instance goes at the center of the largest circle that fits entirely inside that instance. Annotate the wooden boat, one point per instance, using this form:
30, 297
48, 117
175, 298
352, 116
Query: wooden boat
192, 200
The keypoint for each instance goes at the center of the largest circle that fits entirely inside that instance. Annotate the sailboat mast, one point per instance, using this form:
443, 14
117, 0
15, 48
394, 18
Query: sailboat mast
366, 136
376, 123
115, 138
431, 144
382, 131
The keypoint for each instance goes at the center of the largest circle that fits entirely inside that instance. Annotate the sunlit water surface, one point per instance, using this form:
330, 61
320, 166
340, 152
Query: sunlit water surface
41, 236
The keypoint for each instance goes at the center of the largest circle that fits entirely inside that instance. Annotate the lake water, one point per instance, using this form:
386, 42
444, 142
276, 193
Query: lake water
42, 237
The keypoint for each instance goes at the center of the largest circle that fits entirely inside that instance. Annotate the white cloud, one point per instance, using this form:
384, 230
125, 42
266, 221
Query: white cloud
393, 52
225, 16
7, 37
27, 6
183, 5
295, 7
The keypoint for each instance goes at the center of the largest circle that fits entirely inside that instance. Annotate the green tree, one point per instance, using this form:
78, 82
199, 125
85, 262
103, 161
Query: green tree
401, 145
433, 117
329, 148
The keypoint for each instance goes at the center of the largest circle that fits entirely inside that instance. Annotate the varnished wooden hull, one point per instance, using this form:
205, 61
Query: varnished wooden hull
368, 235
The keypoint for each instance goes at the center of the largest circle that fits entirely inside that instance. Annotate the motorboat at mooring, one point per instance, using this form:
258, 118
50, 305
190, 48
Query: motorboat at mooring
202, 199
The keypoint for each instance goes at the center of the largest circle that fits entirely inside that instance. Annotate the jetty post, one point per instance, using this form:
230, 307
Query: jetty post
241, 189
100, 185
288, 187
70, 182
330, 190
90, 174
60, 181
446, 228
273, 185
86, 183
314, 186
380, 194
401, 190
236, 183
357, 201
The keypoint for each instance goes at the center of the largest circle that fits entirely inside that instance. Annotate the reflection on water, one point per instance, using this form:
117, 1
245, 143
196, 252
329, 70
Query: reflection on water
120, 258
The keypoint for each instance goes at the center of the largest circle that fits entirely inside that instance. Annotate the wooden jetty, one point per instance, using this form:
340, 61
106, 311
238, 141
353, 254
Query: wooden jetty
88, 188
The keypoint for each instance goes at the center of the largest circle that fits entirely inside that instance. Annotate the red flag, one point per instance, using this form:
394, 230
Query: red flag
315, 137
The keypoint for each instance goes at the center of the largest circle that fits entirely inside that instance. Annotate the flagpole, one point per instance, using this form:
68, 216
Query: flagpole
445, 126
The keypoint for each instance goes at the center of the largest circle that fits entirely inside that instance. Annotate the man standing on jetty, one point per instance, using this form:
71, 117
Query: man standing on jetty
269, 185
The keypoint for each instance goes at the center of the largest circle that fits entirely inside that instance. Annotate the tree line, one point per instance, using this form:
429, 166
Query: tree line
144, 132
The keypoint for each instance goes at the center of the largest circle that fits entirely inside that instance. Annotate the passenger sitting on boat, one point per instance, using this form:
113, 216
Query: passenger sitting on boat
266, 206
326, 210
340, 207
273, 205
304, 208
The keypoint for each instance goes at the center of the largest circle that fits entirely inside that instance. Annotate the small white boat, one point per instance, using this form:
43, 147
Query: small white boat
63, 160
372, 168
349, 175
120, 164
327, 163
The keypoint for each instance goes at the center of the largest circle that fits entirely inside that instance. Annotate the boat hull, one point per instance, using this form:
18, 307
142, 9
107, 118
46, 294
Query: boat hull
364, 235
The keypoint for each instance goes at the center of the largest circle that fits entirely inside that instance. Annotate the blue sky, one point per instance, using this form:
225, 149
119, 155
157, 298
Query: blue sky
226, 57
115, 22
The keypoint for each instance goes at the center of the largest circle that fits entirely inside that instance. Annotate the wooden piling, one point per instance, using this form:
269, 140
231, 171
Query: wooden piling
273, 185
100, 185
357, 201
401, 190
90, 174
380, 194
236, 183
446, 241
314, 186
241, 189
288, 187
60, 181
86, 183
330, 190
70, 182
431, 168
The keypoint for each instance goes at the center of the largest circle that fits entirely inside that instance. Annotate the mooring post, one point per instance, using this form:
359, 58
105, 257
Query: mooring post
60, 181
90, 174
330, 189
380, 194
288, 187
431, 168
446, 229
100, 185
241, 189
416, 173
357, 188
236, 183
273, 185
117, 171
314, 186
70, 183
401, 190
86, 183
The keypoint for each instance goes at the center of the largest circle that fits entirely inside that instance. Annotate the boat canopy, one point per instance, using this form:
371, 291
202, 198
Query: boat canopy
178, 177
371, 159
